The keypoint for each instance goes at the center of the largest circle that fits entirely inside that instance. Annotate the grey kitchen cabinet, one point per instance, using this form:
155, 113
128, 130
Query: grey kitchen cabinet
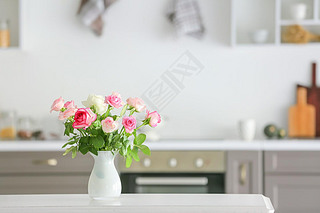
43, 172
244, 172
292, 180
44, 184
295, 162
293, 194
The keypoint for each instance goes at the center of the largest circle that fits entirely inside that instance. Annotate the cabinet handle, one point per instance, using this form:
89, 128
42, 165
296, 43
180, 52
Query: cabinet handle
49, 162
196, 181
243, 174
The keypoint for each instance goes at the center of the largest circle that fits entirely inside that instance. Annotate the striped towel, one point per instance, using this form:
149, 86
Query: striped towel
91, 14
186, 17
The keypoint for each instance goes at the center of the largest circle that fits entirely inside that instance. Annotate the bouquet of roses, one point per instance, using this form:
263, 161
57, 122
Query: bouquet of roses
95, 128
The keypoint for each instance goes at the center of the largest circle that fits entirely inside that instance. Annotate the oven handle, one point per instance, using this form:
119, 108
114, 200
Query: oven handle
199, 181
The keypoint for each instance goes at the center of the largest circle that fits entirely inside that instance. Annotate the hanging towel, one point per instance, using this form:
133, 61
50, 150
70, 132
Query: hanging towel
91, 14
186, 17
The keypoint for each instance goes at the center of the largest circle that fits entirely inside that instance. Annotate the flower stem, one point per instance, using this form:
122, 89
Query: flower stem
121, 130
143, 124
132, 111
108, 110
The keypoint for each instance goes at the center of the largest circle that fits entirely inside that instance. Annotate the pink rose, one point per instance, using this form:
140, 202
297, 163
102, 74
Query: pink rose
136, 103
69, 105
57, 104
129, 123
67, 113
109, 125
154, 118
83, 118
114, 100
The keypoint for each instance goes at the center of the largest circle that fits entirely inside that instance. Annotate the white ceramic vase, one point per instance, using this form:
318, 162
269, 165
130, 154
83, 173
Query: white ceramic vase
104, 182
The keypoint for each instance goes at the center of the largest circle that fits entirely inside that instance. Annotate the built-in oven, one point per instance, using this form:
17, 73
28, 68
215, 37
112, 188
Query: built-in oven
175, 172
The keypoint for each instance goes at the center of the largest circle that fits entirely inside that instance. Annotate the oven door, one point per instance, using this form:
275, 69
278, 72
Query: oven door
172, 183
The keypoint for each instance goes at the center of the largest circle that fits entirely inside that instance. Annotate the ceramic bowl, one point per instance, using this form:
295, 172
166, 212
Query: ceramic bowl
260, 36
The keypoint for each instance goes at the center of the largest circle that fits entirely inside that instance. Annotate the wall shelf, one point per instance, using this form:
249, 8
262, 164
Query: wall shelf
304, 22
249, 16
10, 48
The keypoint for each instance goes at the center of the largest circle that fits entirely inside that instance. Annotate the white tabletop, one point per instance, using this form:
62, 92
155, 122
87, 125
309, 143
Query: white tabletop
183, 145
137, 203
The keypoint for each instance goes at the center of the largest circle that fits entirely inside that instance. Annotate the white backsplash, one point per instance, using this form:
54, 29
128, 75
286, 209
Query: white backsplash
62, 57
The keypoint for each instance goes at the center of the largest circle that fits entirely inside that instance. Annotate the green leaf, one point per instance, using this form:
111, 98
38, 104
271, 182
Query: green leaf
118, 145
66, 132
71, 129
145, 150
74, 152
68, 150
123, 151
106, 140
93, 151
104, 116
94, 131
134, 154
124, 109
114, 117
84, 148
140, 139
68, 128
116, 138
93, 108
97, 142
126, 143
69, 143
84, 140
110, 138
97, 123
128, 161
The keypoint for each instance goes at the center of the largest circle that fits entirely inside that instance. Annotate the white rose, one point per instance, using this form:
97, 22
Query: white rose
97, 101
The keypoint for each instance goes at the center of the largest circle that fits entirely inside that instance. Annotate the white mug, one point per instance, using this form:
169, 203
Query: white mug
247, 129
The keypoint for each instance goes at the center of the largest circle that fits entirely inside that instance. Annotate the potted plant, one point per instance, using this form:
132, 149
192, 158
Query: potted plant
95, 129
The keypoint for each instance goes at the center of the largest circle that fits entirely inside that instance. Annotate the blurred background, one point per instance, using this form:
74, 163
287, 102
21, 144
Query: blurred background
56, 55
238, 62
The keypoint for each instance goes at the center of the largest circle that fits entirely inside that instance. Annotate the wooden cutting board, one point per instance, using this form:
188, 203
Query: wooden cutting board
302, 123
313, 96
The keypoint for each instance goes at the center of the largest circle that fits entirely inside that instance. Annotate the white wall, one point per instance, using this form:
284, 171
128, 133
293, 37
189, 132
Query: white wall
62, 57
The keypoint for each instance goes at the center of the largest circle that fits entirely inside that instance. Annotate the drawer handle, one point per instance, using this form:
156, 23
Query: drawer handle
243, 174
49, 162
197, 181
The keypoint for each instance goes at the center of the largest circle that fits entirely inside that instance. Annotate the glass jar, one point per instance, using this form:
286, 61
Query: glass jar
8, 125
25, 128
4, 33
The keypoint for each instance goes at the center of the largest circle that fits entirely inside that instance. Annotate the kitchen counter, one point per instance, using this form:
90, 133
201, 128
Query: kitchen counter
137, 203
224, 145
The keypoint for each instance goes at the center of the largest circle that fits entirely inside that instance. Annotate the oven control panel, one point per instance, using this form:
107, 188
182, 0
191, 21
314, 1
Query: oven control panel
177, 161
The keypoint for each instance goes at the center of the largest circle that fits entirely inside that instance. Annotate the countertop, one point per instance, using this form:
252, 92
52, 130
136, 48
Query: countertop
184, 145
137, 203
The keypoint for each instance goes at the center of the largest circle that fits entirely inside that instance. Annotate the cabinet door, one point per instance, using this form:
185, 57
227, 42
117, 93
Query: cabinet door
294, 194
244, 172
44, 184
43, 162
296, 162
